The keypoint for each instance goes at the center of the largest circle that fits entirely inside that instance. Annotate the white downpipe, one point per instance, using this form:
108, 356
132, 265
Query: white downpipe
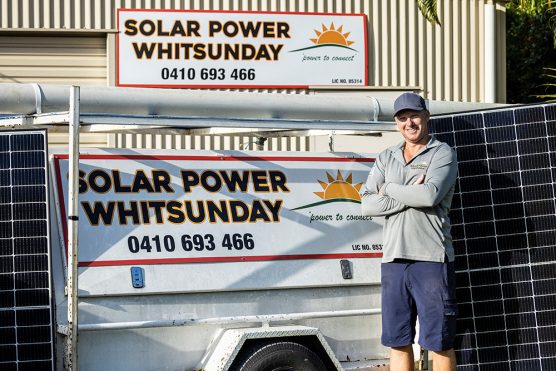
71, 340
490, 51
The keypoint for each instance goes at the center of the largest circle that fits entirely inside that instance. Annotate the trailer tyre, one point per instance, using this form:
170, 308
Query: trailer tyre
282, 356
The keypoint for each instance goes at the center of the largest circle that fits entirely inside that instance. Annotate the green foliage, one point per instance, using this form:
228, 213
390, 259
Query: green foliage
546, 9
551, 13
550, 86
429, 10
529, 48
529, 6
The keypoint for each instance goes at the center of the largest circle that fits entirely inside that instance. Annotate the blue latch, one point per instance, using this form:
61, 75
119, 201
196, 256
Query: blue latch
137, 274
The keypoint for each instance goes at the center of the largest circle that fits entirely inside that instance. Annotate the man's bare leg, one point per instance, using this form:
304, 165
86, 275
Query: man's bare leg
444, 360
401, 359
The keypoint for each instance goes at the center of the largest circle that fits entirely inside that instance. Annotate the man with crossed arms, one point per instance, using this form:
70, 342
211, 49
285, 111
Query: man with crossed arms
411, 185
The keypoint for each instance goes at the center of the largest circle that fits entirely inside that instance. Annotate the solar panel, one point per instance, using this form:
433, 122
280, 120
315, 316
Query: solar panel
504, 234
26, 326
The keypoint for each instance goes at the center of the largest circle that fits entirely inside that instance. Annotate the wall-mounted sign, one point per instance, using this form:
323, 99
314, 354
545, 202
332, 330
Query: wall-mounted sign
213, 49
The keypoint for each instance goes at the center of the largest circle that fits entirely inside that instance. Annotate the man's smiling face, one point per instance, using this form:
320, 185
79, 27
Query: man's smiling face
413, 125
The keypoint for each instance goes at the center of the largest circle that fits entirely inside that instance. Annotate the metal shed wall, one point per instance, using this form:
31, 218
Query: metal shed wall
446, 61
53, 59
405, 51
208, 142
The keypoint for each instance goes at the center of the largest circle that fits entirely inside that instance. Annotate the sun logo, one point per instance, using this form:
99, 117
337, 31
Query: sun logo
339, 188
332, 36
329, 37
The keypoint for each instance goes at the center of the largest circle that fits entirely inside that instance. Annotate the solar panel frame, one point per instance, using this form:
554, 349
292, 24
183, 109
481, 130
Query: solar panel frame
504, 223
26, 299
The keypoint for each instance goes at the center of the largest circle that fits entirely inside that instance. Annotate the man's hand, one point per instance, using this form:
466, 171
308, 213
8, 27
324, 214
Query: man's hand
420, 180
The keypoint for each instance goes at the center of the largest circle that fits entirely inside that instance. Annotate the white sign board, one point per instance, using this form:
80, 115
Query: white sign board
204, 207
223, 49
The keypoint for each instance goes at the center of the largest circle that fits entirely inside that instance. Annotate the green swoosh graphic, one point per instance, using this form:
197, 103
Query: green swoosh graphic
327, 202
321, 45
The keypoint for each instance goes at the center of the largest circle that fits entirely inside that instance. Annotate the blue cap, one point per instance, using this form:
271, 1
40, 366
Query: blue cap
409, 101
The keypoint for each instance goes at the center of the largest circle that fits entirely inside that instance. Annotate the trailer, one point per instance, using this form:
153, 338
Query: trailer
190, 260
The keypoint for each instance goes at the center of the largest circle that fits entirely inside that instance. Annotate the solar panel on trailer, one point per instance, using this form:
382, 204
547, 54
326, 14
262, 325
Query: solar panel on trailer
26, 326
504, 234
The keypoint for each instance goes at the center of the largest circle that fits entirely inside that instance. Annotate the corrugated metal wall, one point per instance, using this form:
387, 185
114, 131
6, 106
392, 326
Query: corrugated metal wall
405, 50
53, 59
208, 142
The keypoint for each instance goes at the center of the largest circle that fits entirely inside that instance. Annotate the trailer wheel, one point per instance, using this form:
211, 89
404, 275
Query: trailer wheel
282, 356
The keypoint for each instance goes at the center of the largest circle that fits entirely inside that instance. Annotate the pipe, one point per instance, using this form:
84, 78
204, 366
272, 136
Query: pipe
20, 99
265, 319
490, 51
71, 340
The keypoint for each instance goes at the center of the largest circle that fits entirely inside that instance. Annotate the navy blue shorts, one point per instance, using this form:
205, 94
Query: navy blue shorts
412, 289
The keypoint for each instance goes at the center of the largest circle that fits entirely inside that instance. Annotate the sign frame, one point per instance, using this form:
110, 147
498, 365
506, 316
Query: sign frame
118, 81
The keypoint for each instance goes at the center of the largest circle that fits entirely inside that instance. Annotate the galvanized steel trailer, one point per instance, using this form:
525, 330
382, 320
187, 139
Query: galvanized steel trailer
195, 325
201, 327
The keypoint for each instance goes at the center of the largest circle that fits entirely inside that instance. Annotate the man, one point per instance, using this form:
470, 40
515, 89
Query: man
411, 185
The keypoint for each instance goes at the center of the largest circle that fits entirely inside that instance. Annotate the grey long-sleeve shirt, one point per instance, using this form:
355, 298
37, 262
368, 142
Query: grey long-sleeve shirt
417, 225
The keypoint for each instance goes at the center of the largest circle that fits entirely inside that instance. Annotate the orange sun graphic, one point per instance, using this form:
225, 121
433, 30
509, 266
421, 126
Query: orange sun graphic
339, 188
332, 36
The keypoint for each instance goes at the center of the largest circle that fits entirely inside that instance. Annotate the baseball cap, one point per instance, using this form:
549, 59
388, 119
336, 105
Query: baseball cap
409, 101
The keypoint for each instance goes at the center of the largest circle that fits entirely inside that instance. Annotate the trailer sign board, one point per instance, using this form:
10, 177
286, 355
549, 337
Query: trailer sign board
173, 209
184, 48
